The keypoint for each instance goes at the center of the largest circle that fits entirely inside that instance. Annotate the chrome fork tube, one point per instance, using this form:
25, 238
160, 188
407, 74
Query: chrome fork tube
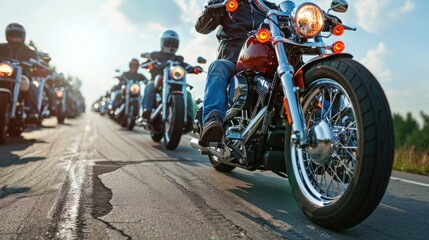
16, 92
127, 98
185, 99
286, 72
165, 91
40, 96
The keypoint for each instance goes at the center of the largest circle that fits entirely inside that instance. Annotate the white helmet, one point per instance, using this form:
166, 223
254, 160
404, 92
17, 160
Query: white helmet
169, 41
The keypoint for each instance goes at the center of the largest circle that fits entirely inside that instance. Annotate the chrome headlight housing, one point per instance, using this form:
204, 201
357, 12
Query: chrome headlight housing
177, 73
36, 83
308, 20
6, 70
135, 88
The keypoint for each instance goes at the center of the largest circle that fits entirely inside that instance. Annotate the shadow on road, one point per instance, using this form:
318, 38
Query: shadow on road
8, 158
5, 191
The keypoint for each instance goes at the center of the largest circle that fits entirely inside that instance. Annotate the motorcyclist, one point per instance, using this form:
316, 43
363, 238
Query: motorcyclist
232, 34
134, 65
15, 48
169, 46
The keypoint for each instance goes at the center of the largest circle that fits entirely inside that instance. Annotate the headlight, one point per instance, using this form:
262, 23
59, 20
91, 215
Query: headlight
36, 83
59, 94
308, 20
135, 88
6, 70
177, 73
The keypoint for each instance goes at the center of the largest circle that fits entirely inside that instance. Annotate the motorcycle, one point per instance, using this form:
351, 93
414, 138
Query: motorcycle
129, 110
12, 114
169, 116
324, 124
40, 73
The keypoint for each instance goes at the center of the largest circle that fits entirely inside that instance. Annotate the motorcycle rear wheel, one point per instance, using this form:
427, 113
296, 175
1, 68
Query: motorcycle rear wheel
4, 116
342, 189
173, 126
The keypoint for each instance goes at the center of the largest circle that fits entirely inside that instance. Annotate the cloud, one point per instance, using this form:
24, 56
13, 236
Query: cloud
406, 8
117, 20
375, 62
373, 15
190, 9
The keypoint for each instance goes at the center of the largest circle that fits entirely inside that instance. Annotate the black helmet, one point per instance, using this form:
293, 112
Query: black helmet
169, 41
15, 33
134, 61
44, 56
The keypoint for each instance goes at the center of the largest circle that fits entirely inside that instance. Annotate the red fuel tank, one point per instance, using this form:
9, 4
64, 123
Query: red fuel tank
258, 57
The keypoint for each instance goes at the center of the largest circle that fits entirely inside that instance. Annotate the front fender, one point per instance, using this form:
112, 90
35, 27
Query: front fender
298, 77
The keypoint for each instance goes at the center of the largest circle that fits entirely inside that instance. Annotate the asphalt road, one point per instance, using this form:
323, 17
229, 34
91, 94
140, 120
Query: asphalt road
92, 179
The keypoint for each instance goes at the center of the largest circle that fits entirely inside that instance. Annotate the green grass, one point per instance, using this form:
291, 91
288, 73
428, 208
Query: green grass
412, 160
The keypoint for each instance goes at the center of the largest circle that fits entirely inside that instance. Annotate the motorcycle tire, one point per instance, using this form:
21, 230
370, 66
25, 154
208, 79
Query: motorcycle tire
4, 116
60, 115
156, 132
131, 118
15, 129
362, 157
173, 126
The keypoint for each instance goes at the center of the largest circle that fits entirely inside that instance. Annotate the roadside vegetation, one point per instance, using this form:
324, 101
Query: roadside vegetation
412, 143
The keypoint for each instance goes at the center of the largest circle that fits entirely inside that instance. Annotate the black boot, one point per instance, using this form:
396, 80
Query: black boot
212, 130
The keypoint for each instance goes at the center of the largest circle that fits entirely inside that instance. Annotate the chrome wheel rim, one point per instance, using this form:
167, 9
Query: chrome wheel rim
324, 182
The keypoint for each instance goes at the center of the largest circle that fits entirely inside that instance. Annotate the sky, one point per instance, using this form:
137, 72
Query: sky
90, 39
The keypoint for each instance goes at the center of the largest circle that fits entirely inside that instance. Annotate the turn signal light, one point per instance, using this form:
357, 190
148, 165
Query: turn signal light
338, 30
263, 35
338, 47
232, 6
287, 112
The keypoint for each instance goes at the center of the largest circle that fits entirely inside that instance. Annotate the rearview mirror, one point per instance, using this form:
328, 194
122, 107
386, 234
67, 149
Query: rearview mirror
145, 55
201, 60
340, 6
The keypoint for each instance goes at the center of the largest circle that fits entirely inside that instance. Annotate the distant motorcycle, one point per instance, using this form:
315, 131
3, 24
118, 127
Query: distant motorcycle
12, 114
169, 116
39, 77
129, 110
325, 124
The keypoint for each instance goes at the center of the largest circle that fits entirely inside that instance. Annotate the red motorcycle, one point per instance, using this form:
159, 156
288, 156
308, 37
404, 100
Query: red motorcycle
325, 124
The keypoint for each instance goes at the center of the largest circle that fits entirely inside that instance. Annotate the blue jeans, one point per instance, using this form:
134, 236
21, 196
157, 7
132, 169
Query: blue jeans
149, 96
215, 95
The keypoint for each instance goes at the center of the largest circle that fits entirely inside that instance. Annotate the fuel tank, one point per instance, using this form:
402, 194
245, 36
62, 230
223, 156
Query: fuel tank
258, 57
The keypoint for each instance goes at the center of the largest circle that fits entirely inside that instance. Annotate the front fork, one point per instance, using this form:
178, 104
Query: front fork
40, 96
165, 92
286, 72
16, 92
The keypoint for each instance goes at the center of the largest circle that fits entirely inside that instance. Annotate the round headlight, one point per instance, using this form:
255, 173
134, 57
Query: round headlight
308, 20
6, 70
36, 83
59, 94
177, 73
134, 88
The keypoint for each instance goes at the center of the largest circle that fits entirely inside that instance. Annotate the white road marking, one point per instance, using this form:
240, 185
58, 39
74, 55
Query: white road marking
409, 181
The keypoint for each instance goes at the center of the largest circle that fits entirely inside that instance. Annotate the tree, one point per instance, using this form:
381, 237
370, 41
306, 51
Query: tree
403, 127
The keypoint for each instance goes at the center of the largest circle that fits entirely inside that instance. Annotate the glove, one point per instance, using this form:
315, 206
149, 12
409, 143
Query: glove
220, 11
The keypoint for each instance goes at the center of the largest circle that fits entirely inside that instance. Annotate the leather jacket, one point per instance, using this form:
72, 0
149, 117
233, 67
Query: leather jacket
163, 58
233, 27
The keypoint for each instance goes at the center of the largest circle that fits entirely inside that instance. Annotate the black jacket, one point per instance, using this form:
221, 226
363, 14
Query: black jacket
233, 31
134, 76
163, 58
22, 53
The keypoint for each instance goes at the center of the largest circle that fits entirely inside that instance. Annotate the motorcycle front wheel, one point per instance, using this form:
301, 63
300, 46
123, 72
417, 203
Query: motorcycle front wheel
4, 116
341, 177
61, 116
173, 125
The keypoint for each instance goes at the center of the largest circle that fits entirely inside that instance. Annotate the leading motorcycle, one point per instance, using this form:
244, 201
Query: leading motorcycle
12, 82
169, 117
325, 124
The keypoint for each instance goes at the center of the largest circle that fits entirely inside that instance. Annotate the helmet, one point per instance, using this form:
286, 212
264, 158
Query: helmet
134, 61
44, 56
15, 33
169, 41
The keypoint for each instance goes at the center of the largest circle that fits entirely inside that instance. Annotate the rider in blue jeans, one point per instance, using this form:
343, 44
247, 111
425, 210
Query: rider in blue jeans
169, 46
232, 34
